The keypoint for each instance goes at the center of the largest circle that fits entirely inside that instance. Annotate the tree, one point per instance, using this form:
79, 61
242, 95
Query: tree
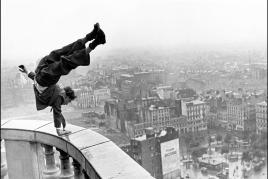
198, 153
224, 150
227, 140
253, 137
195, 155
257, 153
263, 141
246, 156
245, 135
259, 142
188, 138
209, 140
235, 145
209, 143
218, 138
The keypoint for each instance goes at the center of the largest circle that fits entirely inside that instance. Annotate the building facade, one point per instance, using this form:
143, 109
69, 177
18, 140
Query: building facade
241, 115
261, 117
158, 153
196, 112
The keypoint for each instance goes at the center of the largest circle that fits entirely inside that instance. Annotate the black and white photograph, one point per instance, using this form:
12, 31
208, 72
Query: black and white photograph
134, 89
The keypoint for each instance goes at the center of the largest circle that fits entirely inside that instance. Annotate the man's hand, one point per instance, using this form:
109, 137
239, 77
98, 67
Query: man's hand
23, 69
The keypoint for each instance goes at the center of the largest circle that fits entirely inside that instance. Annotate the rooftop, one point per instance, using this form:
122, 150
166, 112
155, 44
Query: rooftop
264, 103
94, 152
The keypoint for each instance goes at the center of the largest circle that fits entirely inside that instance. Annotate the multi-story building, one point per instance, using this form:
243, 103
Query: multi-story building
196, 112
186, 94
101, 95
165, 92
158, 153
261, 117
241, 115
222, 119
111, 112
146, 102
157, 115
155, 76
87, 98
179, 123
127, 88
258, 71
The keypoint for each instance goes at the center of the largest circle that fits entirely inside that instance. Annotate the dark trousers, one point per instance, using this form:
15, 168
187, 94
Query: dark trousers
61, 62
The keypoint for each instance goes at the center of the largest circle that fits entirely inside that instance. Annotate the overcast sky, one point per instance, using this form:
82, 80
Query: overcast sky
30, 29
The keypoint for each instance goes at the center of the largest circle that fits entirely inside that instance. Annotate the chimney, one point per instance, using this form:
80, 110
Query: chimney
178, 110
170, 129
149, 132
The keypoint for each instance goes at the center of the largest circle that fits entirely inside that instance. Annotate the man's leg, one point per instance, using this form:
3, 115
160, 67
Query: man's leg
62, 61
77, 45
79, 57
57, 124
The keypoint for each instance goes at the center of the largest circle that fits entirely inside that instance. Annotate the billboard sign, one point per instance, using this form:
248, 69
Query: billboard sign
170, 156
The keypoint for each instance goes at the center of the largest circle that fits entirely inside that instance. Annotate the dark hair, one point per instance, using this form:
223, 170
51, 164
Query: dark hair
69, 92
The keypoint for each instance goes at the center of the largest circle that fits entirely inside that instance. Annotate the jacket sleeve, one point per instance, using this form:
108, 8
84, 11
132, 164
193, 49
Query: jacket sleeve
57, 115
31, 75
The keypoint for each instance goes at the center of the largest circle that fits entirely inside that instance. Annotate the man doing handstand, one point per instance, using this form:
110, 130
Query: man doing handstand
53, 66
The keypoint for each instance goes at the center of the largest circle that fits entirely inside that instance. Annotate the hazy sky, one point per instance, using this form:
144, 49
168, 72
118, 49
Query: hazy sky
32, 28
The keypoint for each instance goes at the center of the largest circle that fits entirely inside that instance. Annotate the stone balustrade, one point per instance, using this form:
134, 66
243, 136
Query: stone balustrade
32, 150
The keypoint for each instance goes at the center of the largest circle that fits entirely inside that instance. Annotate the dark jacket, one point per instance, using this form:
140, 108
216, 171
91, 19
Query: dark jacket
53, 96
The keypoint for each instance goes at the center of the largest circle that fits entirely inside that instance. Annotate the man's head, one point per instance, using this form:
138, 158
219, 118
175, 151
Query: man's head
69, 95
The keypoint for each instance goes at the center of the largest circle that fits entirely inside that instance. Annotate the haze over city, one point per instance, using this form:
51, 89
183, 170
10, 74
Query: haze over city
177, 90
30, 29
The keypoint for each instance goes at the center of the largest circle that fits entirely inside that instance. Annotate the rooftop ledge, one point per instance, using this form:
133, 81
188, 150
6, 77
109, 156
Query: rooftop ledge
94, 152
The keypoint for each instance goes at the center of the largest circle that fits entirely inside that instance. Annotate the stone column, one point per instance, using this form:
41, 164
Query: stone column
22, 159
51, 171
77, 170
3, 163
66, 170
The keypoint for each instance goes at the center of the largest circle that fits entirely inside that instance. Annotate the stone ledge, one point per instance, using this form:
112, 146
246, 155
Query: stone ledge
99, 156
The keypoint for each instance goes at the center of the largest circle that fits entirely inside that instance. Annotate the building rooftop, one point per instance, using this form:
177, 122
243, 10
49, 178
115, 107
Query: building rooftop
195, 102
164, 87
264, 103
127, 75
94, 152
141, 138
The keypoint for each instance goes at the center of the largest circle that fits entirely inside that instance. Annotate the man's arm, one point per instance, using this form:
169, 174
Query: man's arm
30, 74
57, 115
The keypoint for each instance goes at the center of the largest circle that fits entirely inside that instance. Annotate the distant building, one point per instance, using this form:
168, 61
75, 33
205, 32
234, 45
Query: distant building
85, 99
158, 153
186, 94
261, 117
111, 111
179, 123
222, 118
196, 112
101, 95
155, 76
241, 115
165, 92
156, 114
258, 71
196, 84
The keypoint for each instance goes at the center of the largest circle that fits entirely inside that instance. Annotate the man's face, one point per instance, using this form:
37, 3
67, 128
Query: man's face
67, 100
